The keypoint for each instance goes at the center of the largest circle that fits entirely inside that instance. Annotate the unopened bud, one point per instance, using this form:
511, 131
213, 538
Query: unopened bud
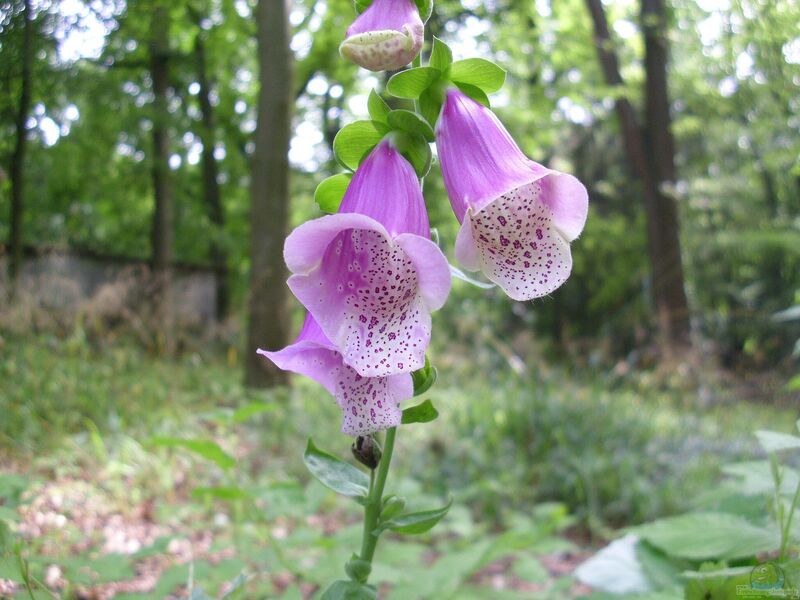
385, 37
367, 451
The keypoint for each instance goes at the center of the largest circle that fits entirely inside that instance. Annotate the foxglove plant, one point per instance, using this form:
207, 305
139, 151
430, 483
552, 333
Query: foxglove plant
370, 276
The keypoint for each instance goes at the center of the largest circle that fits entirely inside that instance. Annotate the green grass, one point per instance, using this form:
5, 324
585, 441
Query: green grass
80, 421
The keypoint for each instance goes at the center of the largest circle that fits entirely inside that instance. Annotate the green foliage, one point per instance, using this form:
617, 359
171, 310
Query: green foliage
330, 192
356, 140
377, 107
441, 56
343, 478
349, 590
711, 554
705, 536
415, 523
410, 122
479, 73
205, 448
424, 412
411, 83
424, 378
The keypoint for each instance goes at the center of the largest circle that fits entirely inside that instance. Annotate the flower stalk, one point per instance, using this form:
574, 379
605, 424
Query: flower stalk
372, 511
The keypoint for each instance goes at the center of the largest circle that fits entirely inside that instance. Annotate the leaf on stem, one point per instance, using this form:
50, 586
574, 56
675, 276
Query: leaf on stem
349, 590
417, 522
335, 474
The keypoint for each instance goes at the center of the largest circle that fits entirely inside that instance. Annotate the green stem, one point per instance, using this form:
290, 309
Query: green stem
788, 525
417, 62
373, 507
372, 510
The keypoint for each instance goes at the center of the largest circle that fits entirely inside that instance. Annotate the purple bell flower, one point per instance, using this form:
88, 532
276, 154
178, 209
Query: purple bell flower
517, 217
369, 404
385, 37
370, 275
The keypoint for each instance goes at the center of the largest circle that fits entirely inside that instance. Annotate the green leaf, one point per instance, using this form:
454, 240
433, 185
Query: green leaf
349, 590
343, 478
421, 413
221, 493
205, 448
773, 441
410, 122
243, 413
416, 150
478, 72
531, 570
416, 523
430, 105
330, 191
354, 141
412, 82
424, 378
701, 536
755, 478
425, 8
377, 107
441, 56
615, 569
475, 93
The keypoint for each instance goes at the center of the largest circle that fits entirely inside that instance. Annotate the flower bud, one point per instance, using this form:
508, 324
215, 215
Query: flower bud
367, 451
385, 37
358, 569
392, 506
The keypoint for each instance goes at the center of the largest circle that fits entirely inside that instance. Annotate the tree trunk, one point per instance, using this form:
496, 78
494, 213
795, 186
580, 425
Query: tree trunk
268, 323
651, 158
161, 228
211, 190
17, 170
668, 278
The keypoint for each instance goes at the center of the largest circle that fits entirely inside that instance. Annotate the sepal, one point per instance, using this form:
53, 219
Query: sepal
424, 378
330, 191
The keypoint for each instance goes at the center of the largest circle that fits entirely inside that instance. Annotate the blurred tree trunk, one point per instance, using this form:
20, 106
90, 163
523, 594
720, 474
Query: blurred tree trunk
668, 276
269, 321
161, 228
17, 167
211, 190
650, 153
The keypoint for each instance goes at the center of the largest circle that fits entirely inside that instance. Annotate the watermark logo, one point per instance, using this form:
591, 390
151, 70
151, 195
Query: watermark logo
767, 576
767, 580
